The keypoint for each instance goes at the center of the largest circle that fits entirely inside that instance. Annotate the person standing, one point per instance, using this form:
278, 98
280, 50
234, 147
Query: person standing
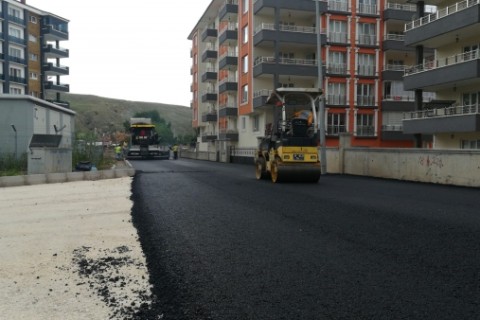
175, 151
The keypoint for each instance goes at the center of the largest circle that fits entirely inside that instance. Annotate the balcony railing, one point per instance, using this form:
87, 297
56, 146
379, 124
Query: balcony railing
337, 68
367, 39
229, 53
394, 67
365, 100
338, 37
443, 112
335, 130
338, 6
441, 13
336, 100
449, 61
394, 37
304, 62
286, 28
366, 70
365, 131
402, 7
392, 127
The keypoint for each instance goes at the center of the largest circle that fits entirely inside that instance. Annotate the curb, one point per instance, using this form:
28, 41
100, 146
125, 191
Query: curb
60, 177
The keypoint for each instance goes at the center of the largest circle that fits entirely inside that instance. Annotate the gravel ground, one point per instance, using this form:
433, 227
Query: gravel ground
69, 251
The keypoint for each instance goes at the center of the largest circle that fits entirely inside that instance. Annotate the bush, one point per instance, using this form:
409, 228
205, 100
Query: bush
9, 166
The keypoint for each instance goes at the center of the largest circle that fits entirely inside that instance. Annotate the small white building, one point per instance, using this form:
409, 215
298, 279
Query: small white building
42, 130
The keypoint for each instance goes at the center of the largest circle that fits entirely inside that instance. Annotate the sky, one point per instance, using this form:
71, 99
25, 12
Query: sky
130, 50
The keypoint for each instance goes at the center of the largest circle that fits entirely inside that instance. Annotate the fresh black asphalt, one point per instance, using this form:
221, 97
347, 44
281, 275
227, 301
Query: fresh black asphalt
221, 245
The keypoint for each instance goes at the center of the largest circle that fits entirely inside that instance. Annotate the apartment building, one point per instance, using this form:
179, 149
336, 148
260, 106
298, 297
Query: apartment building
242, 50
31, 52
453, 73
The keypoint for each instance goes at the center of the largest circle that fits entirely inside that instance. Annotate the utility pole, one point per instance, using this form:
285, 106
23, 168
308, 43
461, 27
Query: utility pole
321, 109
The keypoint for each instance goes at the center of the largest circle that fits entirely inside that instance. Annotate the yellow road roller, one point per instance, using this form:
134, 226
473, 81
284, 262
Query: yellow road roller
289, 150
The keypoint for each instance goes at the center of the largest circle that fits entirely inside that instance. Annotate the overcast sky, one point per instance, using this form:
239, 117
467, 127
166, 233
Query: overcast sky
129, 50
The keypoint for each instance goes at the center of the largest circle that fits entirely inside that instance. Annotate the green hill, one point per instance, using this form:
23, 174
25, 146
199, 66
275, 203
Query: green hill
101, 114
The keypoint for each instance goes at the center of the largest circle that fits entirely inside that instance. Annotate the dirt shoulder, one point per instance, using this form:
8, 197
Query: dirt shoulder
69, 251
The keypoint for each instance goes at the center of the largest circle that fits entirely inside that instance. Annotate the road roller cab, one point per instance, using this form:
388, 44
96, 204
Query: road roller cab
289, 150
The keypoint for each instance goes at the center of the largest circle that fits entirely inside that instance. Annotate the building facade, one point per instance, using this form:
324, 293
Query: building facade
453, 73
31, 52
242, 50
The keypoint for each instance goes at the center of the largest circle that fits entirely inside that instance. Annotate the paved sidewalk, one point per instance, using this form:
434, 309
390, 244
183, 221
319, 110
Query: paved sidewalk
69, 251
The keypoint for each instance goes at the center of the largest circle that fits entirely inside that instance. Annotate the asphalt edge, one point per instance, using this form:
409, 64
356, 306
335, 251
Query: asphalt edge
60, 177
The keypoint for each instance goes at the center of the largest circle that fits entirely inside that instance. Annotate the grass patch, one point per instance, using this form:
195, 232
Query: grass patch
9, 166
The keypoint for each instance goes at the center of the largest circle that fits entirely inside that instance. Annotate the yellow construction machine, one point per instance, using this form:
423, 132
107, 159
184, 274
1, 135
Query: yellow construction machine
289, 150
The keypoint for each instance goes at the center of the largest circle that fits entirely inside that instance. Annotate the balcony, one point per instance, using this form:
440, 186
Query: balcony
285, 66
52, 69
52, 52
298, 5
210, 76
228, 85
18, 60
367, 10
57, 87
210, 116
441, 120
396, 42
54, 33
439, 28
209, 34
228, 134
336, 100
445, 73
393, 72
16, 20
266, 34
209, 55
399, 102
397, 11
229, 10
228, 60
17, 40
209, 97
16, 79
229, 35
260, 98
207, 137
394, 132
228, 110
338, 6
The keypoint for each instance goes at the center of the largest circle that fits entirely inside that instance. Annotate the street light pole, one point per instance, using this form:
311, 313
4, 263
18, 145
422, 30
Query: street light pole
321, 109
15, 131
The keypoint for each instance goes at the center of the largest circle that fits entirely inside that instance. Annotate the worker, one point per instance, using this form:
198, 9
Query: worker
118, 152
305, 114
175, 151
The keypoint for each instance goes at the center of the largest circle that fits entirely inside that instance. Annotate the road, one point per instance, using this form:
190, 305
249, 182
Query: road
221, 245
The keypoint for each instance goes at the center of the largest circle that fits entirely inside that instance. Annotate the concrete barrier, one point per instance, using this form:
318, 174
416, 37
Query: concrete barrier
117, 172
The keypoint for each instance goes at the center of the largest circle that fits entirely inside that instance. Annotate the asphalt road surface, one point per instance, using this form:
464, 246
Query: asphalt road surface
221, 245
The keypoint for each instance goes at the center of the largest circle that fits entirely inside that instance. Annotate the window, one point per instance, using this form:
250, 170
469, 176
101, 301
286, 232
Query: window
337, 31
33, 75
336, 123
337, 63
16, 90
470, 144
256, 123
15, 52
367, 34
33, 57
245, 63
245, 34
14, 12
244, 123
367, 6
245, 5
337, 94
245, 93
32, 38
33, 19
365, 126
17, 33
366, 65
365, 94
